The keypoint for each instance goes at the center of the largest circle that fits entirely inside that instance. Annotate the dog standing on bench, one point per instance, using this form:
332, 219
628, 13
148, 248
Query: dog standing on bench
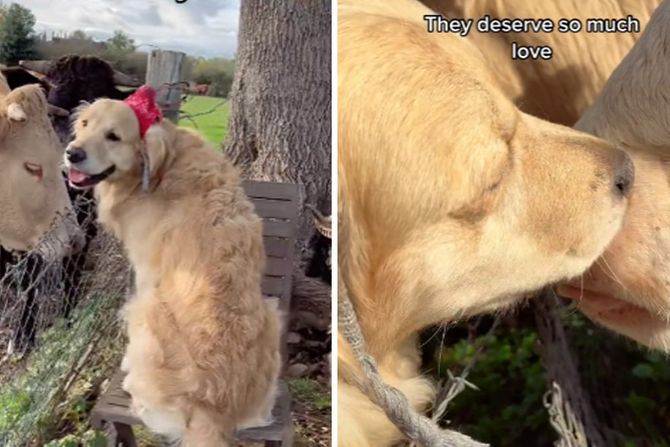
203, 356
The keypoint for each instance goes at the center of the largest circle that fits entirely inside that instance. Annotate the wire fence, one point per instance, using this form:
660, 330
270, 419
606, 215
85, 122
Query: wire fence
57, 316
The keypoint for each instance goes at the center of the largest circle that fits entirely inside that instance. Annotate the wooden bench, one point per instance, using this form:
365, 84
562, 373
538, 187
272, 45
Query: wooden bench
277, 205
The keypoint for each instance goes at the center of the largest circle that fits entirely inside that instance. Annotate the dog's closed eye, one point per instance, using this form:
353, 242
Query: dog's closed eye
112, 136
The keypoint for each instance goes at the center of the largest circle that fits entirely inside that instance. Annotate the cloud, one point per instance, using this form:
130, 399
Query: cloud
200, 28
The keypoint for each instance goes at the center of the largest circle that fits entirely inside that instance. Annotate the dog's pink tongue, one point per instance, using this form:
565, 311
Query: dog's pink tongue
76, 176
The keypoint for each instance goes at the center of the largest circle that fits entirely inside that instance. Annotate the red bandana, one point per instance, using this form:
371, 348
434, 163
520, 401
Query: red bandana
143, 103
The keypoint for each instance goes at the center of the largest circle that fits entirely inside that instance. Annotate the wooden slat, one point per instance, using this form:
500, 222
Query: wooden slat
277, 247
278, 228
272, 208
277, 267
273, 286
271, 190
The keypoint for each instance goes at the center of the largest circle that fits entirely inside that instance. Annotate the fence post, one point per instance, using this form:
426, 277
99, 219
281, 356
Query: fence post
165, 67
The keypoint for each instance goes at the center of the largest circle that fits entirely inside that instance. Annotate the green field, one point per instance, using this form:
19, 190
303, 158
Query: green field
212, 125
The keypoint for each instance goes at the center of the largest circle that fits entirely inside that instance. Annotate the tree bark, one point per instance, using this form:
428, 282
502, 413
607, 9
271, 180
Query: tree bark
280, 126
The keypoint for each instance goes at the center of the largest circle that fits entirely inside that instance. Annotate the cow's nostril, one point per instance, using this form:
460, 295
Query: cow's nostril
624, 176
75, 154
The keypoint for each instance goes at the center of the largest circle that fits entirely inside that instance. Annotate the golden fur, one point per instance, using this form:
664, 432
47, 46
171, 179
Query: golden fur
452, 202
203, 354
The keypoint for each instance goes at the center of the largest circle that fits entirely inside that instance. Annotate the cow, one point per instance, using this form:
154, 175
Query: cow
37, 212
200, 89
628, 290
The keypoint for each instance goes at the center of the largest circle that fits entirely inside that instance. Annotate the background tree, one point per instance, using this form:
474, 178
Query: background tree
80, 35
17, 37
121, 42
217, 72
280, 125
119, 49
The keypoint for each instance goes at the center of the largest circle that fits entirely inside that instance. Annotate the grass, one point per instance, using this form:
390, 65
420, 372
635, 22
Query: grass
37, 405
309, 391
311, 412
214, 126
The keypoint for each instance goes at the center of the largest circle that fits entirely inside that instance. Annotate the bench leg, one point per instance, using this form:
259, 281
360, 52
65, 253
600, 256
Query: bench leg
287, 439
124, 435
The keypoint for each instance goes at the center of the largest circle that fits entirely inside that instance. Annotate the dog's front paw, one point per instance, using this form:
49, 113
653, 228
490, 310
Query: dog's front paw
137, 409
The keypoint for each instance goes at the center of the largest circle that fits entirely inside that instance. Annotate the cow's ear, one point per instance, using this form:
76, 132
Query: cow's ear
16, 113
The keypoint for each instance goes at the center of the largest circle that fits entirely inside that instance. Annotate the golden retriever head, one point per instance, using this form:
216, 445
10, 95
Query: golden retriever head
108, 147
455, 202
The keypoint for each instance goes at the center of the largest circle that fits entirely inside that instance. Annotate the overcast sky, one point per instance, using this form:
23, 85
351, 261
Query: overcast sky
198, 27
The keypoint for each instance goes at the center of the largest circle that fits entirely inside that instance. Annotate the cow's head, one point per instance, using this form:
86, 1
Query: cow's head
628, 288
33, 197
75, 79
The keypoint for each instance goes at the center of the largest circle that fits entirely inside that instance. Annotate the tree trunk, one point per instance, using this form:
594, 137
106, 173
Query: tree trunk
570, 409
280, 127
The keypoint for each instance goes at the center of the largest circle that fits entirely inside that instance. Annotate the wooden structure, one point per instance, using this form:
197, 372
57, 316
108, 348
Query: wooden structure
277, 205
164, 73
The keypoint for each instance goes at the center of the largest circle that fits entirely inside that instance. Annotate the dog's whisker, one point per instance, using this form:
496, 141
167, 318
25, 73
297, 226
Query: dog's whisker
613, 276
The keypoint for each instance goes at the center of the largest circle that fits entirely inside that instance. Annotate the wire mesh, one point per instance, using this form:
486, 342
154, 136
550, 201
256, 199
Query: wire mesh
55, 313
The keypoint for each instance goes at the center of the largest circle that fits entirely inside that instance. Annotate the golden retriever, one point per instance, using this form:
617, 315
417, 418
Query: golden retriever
452, 202
203, 355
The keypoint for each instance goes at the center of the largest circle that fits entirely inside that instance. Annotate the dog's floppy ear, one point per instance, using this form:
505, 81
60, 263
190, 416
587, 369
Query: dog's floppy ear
157, 143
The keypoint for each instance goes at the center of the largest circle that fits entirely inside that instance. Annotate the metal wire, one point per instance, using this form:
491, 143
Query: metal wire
54, 316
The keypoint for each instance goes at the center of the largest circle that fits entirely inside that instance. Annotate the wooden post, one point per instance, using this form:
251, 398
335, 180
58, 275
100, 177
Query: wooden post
165, 67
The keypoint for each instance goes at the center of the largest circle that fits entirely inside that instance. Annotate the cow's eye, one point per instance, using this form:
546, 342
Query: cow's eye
111, 136
34, 169
84, 123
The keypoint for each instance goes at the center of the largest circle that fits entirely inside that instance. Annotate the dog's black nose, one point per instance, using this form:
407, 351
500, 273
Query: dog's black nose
624, 176
75, 154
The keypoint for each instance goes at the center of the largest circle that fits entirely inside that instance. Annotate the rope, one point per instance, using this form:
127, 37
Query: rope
413, 425
563, 419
